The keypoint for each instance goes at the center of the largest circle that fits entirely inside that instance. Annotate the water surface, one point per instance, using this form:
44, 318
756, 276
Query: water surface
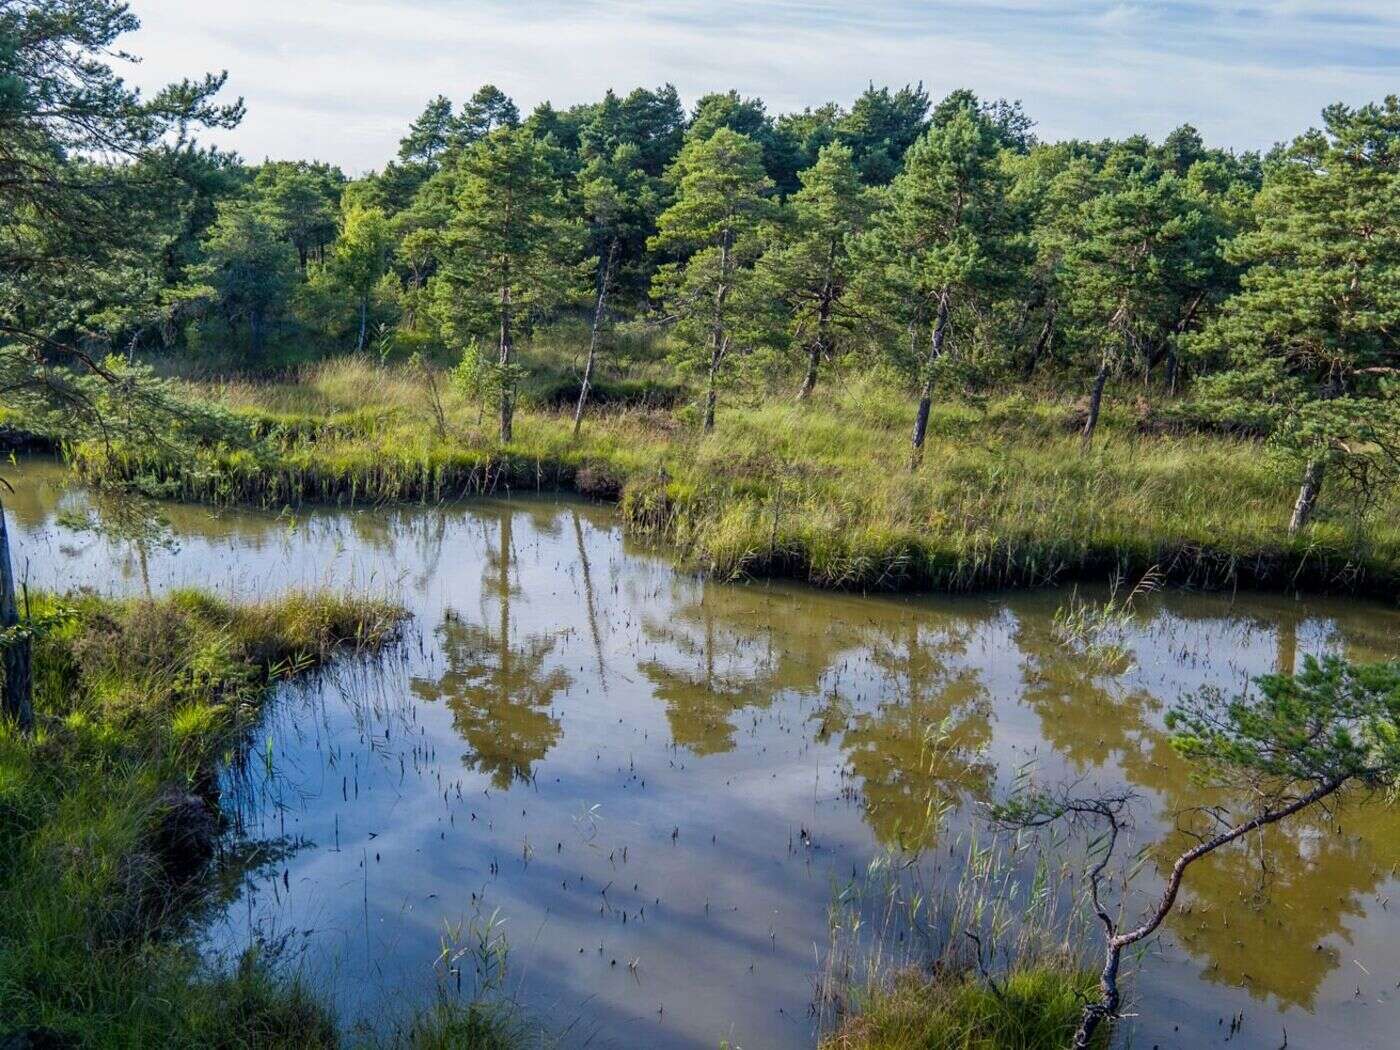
653, 786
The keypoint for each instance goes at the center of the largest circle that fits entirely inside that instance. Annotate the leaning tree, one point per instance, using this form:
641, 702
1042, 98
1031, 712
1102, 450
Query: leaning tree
1291, 743
1313, 339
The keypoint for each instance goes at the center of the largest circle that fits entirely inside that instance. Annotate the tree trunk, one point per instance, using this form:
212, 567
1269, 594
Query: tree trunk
1095, 403
364, 325
1307, 497
711, 394
814, 357
718, 340
1042, 343
17, 702
507, 345
821, 343
818, 349
935, 351
604, 280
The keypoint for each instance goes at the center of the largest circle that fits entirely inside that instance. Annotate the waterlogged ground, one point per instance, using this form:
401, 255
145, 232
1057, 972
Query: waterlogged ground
651, 787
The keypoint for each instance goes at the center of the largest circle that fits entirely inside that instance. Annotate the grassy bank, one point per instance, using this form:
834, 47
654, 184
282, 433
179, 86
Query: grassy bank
109, 816
820, 492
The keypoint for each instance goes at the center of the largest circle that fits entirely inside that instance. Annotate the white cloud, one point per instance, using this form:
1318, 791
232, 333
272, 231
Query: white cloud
340, 79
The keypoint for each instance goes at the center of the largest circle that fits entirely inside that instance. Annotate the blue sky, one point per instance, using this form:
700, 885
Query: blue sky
339, 79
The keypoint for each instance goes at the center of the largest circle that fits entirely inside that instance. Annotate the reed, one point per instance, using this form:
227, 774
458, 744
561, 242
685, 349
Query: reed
974, 949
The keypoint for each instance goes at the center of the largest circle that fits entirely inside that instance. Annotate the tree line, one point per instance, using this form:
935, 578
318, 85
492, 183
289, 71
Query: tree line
941, 241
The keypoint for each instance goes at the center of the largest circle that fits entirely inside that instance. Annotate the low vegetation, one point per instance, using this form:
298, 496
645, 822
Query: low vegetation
1033, 1010
971, 949
109, 815
819, 490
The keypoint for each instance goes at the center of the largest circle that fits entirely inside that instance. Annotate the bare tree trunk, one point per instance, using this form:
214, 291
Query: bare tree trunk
718, 340
507, 345
935, 351
711, 393
364, 325
604, 281
1107, 1006
821, 343
1042, 343
17, 703
1095, 403
1307, 497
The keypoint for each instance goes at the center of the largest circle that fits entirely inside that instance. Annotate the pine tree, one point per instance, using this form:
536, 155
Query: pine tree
806, 268
510, 248
947, 235
1313, 338
429, 136
722, 197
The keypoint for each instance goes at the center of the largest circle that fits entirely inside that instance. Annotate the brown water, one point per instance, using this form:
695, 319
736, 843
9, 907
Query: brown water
656, 785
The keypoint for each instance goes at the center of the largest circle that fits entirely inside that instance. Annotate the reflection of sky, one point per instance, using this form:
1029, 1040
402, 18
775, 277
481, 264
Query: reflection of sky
1247, 73
795, 711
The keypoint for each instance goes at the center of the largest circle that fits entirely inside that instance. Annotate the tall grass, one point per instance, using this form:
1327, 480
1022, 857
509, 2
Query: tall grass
820, 492
983, 953
974, 949
108, 811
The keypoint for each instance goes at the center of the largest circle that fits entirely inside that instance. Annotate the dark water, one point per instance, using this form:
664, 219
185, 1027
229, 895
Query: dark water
651, 787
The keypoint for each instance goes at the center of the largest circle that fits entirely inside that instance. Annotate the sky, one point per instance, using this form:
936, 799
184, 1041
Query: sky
339, 80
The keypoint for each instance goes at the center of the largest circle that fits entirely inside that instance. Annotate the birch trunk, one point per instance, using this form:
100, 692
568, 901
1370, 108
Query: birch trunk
604, 281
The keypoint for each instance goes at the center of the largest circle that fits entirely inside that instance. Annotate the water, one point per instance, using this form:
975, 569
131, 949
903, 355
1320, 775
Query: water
651, 787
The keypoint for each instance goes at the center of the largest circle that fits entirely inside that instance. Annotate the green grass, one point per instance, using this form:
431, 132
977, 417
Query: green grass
109, 812
988, 956
1036, 1009
106, 809
820, 492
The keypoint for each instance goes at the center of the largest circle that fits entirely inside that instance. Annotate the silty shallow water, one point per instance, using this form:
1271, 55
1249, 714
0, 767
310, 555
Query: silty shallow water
656, 785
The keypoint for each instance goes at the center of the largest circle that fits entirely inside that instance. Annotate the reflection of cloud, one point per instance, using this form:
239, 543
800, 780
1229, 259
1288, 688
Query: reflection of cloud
1247, 74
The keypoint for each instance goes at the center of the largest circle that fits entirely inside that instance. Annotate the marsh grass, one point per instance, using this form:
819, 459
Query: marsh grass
819, 492
108, 812
981, 953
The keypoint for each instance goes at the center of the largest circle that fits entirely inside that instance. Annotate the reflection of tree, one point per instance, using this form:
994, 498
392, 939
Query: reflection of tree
917, 756
1089, 723
124, 519
1259, 913
703, 695
500, 692
737, 649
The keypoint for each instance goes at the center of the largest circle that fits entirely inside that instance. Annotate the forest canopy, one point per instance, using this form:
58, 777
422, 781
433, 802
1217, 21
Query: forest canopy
941, 242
